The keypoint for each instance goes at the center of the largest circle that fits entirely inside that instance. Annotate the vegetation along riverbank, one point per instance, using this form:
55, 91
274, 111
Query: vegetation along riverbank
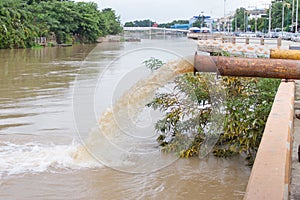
57, 22
234, 110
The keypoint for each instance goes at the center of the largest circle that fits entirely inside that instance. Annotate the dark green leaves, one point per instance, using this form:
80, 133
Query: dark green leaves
188, 114
22, 21
153, 63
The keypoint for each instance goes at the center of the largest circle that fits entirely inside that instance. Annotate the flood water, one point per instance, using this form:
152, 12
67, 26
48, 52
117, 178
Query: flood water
50, 101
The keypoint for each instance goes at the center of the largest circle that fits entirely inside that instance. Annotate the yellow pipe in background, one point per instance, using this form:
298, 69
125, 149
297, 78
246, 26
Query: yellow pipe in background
285, 54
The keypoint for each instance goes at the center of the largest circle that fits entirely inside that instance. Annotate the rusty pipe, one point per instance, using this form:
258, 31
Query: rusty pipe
248, 67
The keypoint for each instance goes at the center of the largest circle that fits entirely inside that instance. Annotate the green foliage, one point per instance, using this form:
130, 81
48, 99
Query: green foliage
111, 22
23, 20
199, 22
240, 19
222, 53
16, 31
129, 24
189, 114
140, 23
148, 22
249, 101
153, 63
168, 25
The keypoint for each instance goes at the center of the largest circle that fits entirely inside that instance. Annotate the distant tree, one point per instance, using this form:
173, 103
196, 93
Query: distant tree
277, 14
200, 21
129, 24
168, 25
240, 19
142, 23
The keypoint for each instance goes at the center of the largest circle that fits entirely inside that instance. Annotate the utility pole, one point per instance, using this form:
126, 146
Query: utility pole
224, 15
282, 19
202, 19
255, 23
270, 19
296, 17
293, 10
236, 23
245, 20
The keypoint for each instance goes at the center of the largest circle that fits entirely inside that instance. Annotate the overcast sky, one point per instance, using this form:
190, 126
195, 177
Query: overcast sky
168, 10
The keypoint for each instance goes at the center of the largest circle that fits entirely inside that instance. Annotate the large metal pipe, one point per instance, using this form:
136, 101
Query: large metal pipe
285, 54
248, 67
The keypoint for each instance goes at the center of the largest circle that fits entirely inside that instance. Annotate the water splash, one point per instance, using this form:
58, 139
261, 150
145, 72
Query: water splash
37, 157
112, 143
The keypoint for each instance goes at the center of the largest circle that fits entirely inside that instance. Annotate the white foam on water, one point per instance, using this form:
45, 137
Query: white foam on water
113, 141
36, 157
109, 143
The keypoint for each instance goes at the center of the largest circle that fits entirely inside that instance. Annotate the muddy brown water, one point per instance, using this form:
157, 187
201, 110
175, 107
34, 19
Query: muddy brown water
51, 98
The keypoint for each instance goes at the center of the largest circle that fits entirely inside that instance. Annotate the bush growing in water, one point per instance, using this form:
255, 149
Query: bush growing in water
153, 63
187, 112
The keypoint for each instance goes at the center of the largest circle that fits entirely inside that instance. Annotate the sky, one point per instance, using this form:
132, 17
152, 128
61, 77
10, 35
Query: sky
162, 11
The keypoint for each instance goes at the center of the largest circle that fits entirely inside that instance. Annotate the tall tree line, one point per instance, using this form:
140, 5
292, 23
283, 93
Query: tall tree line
279, 8
23, 20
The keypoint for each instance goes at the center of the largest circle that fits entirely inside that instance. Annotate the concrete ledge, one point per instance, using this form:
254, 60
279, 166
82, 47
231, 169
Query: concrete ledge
270, 175
249, 50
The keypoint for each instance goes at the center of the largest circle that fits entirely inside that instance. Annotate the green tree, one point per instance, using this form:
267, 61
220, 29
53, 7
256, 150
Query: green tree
89, 25
168, 25
129, 24
240, 19
190, 112
111, 21
23, 20
200, 21
16, 31
140, 23
277, 14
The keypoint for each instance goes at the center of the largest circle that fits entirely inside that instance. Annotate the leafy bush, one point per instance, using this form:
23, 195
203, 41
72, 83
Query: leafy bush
153, 63
189, 113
